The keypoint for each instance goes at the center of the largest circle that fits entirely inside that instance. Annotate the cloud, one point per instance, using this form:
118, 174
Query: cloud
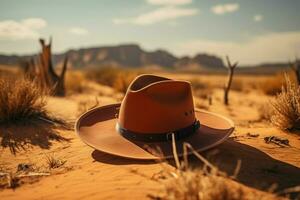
158, 15
34, 23
221, 9
258, 18
25, 29
79, 31
272, 47
169, 2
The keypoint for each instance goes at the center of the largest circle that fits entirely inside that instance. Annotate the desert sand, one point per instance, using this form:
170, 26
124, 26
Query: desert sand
91, 174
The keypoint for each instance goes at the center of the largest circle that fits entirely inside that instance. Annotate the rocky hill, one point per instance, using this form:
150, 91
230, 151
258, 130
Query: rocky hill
129, 55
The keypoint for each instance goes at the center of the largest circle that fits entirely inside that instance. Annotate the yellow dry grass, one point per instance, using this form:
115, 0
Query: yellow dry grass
286, 107
207, 183
20, 99
272, 85
53, 162
75, 82
119, 79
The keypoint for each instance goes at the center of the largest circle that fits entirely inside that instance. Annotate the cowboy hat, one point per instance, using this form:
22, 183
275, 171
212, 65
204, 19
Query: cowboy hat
153, 109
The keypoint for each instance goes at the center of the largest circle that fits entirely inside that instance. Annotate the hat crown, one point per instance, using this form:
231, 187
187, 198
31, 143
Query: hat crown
154, 104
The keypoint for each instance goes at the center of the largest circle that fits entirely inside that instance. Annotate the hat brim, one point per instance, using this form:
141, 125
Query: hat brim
97, 128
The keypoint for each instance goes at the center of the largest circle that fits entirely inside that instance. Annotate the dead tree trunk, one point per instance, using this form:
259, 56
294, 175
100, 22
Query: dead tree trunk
296, 68
230, 75
43, 72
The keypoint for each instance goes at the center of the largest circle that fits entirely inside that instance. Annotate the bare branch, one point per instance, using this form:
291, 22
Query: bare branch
62, 75
230, 76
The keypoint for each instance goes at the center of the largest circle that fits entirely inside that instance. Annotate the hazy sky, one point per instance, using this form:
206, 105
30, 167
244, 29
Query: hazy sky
251, 31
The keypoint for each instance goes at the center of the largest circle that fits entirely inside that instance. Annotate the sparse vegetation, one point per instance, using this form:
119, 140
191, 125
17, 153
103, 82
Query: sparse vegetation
201, 89
238, 84
117, 78
296, 69
207, 183
24, 119
265, 112
87, 105
53, 162
286, 107
75, 82
197, 184
272, 85
21, 100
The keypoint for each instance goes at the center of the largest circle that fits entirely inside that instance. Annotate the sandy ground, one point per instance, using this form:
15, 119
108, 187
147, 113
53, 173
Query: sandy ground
90, 174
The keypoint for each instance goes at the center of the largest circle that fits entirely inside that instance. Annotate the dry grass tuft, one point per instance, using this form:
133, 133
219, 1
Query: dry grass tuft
87, 105
265, 112
207, 183
198, 184
21, 100
24, 119
286, 107
201, 89
238, 84
53, 162
75, 82
273, 85
117, 78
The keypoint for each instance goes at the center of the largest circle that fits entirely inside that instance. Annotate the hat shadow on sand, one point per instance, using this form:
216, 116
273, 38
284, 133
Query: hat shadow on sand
258, 170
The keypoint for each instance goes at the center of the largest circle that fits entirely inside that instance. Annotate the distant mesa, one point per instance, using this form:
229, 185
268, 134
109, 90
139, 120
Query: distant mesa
200, 61
133, 56
128, 55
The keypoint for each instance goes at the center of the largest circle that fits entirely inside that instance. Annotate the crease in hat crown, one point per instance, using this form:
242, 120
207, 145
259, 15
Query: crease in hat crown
155, 104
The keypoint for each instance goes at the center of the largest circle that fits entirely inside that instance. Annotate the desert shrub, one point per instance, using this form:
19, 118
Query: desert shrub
272, 85
265, 112
117, 78
9, 71
207, 183
123, 80
24, 120
201, 89
53, 162
198, 85
196, 184
75, 82
23, 100
237, 84
286, 107
87, 105
20, 99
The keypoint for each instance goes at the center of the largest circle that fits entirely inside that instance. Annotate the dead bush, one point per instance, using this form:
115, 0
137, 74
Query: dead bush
117, 78
207, 183
265, 112
21, 99
238, 84
201, 89
272, 85
75, 82
54, 162
286, 107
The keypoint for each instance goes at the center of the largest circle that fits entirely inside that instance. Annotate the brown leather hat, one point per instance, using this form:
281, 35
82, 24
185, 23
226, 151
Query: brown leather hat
153, 109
